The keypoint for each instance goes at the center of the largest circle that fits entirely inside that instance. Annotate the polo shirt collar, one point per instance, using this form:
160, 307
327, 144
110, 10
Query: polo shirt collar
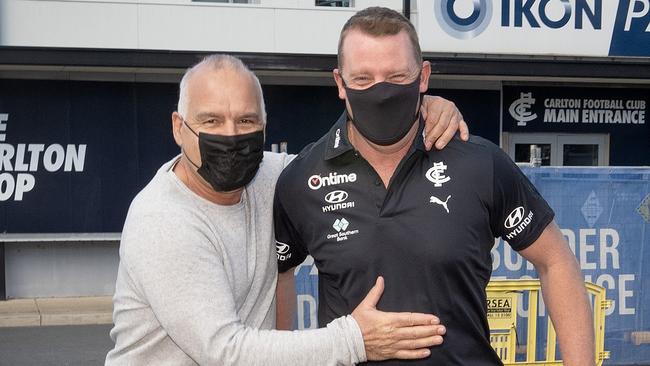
418, 144
338, 142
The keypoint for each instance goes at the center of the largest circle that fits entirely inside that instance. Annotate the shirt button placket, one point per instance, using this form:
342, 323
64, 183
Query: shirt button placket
379, 192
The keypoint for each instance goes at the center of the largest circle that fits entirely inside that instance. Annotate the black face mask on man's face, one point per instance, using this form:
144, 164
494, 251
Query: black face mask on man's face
229, 162
385, 112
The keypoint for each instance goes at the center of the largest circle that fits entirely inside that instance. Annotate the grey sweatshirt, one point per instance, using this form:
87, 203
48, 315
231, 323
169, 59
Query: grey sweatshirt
196, 283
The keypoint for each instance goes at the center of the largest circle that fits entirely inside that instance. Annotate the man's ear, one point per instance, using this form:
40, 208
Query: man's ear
339, 83
177, 124
424, 76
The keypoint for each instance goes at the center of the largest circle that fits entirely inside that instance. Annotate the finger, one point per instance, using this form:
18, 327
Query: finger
420, 331
449, 133
431, 109
373, 296
412, 354
442, 124
419, 343
464, 131
410, 319
427, 105
423, 111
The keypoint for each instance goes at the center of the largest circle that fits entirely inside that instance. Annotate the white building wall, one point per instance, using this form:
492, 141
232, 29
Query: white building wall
60, 269
275, 26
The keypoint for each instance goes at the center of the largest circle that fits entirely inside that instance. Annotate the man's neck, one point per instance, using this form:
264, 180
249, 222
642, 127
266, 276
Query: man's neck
191, 179
384, 159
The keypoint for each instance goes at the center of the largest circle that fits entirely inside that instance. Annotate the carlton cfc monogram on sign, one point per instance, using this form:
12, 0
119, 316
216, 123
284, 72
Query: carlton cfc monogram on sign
520, 109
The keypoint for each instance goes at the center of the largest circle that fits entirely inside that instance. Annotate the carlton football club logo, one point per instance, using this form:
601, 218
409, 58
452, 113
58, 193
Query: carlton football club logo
520, 109
436, 174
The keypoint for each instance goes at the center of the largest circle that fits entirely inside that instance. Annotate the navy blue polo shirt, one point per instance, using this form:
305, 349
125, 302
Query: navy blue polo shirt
429, 233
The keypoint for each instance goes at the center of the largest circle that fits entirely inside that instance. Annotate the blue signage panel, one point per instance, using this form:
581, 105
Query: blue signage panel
604, 214
570, 109
74, 154
622, 113
631, 35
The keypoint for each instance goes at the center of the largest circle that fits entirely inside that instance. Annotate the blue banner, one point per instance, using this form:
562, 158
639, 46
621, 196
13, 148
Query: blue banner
604, 214
73, 154
631, 34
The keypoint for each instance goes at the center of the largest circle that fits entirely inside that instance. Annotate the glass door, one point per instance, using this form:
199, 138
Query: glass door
584, 150
559, 149
520, 144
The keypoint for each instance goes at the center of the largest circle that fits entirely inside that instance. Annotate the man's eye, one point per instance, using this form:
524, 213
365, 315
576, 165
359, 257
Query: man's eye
210, 122
247, 121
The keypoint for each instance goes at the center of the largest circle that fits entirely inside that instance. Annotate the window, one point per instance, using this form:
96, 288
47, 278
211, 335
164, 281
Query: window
559, 149
336, 3
228, 1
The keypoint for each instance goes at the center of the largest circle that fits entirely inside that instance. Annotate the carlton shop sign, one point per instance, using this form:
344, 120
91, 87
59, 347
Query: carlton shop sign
19, 161
598, 28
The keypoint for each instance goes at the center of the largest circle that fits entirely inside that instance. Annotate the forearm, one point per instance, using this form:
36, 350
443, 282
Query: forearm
341, 343
286, 300
196, 308
568, 305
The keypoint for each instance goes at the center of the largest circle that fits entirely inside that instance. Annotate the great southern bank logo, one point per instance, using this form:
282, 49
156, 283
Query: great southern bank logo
464, 19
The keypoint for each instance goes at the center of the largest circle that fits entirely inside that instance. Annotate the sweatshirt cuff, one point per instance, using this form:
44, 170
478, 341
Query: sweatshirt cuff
356, 339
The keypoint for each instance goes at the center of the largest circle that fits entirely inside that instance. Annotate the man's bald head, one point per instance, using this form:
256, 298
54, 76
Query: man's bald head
216, 63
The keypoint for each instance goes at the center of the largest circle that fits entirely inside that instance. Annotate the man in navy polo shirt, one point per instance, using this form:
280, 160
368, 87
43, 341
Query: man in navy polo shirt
368, 200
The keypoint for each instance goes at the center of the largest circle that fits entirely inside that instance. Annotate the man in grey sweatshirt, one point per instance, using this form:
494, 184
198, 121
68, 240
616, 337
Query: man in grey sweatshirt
197, 275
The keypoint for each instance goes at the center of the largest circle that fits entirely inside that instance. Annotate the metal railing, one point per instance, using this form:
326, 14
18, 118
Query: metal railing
503, 298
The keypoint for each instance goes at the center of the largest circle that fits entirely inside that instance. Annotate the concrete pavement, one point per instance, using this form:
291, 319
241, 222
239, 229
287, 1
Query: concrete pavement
70, 345
56, 311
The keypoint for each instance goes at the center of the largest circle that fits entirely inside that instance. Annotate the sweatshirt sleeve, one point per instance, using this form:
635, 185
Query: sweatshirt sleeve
181, 275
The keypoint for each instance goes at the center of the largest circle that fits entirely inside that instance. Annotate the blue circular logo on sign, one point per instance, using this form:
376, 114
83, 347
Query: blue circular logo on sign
464, 27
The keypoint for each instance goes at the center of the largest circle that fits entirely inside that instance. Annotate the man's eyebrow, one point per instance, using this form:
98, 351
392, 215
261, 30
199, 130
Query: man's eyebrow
250, 115
203, 116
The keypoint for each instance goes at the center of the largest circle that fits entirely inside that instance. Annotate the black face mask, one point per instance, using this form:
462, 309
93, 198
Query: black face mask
229, 162
385, 112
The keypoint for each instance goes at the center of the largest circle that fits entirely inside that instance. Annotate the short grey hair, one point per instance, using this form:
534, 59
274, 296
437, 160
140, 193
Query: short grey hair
218, 62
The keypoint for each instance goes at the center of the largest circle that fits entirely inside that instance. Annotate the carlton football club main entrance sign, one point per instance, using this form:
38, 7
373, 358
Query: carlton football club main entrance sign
528, 109
536, 27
